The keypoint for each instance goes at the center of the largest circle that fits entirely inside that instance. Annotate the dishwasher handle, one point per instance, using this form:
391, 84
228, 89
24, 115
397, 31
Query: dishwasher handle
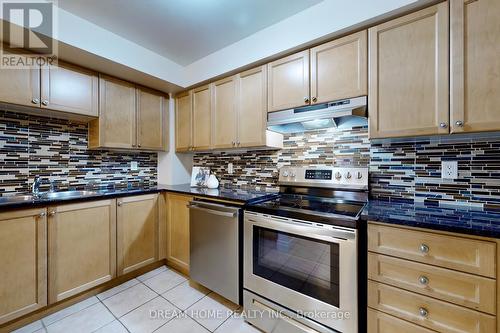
212, 211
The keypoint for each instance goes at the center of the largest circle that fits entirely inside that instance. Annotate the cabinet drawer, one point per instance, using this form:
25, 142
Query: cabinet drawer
460, 288
379, 322
428, 312
462, 254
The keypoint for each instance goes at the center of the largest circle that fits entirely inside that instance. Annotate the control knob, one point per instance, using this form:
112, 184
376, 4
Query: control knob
292, 174
338, 176
360, 175
285, 173
348, 175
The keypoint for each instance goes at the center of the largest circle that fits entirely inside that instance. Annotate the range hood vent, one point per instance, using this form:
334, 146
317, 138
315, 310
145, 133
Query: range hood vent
345, 113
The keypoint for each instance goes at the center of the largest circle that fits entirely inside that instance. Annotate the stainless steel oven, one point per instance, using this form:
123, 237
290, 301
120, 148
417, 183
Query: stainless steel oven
308, 269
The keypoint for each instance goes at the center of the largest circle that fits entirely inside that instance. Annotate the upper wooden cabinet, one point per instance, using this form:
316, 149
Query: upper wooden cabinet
70, 88
137, 232
183, 122
408, 89
202, 118
23, 258
82, 247
20, 86
339, 69
475, 65
130, 117
288, 85
151, 120
252, 107
224, 106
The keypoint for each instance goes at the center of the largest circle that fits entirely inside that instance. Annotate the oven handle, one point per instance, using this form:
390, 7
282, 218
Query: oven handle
297, 228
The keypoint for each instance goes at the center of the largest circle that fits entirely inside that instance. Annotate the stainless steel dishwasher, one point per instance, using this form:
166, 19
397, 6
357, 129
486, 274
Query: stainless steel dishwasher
215, 251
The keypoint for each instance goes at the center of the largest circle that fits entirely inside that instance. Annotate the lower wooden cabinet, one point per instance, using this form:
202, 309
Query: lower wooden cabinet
82, 247
23, 253
178, 231
137, 230
379, 322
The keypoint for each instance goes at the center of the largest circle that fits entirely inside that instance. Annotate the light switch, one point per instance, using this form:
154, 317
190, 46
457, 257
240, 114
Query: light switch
230, 169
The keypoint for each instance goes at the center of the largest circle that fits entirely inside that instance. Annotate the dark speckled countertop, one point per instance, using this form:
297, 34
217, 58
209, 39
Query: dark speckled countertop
471, 221
237, 195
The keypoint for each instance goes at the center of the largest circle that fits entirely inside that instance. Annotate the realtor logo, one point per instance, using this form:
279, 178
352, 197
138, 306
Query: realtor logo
28, 34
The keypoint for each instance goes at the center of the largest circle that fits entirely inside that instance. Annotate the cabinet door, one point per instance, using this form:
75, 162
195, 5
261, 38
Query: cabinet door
137, 232
339, 69
70, 88
183, 122
475, 65
224, 106
408, 90
288, 82
151, 120
82, 247
202, 118
23, 258
117, 119
252, 107
178, 231
20, 86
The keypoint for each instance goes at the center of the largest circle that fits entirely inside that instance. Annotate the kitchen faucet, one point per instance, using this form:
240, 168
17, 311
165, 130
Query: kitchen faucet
35, 188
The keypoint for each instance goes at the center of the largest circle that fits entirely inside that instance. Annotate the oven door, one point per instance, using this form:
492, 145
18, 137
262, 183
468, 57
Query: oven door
306, 267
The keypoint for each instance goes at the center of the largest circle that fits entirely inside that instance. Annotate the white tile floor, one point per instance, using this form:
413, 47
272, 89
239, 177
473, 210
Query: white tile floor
160, 301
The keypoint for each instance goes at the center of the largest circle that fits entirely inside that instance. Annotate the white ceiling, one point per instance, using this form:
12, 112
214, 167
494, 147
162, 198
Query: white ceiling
185, 30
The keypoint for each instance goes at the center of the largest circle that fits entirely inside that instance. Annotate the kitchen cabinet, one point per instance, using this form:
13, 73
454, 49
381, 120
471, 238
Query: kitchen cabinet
178, 231
408, 88
131, 117
288, 85
82, 247
137, 232
252, 108
151, 120
69, 88
23, 258
20, 86
224, 105
202, 118
183, 122
339, 69
475, 65
427, 280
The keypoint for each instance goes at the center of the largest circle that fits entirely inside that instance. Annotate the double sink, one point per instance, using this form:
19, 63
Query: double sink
47, 196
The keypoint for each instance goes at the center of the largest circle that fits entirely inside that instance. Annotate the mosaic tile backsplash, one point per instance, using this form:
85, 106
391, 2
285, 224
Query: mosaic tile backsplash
57, 151
398, 170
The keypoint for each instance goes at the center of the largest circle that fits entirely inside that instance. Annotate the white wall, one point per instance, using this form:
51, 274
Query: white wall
174, 168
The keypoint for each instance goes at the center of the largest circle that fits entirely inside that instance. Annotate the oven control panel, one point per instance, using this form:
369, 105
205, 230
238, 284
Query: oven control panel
331, 177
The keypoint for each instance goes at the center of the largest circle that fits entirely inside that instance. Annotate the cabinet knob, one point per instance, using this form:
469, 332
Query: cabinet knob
139, 145
314, 99
443, 125
424, 248
459, 123
424, 280
35, 101
42, 214
52, 213
238, 143
423, 312
120, 203
306, 100
45, 102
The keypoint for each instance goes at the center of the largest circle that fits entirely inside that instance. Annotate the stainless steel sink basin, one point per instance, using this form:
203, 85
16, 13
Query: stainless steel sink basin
66, 194
16, 199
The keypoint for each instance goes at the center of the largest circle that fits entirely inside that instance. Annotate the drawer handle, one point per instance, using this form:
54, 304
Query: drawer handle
424, 280
424, 248
423, 312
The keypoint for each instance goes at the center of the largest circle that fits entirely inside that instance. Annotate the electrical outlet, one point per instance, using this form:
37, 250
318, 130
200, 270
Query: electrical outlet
134, 166
449, 169
230, 169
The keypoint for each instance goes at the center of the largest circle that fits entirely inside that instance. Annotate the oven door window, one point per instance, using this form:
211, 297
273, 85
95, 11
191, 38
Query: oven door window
306, 265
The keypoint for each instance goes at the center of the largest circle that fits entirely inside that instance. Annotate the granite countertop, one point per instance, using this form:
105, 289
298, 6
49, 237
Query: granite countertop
244, 196
238, 195
466, 220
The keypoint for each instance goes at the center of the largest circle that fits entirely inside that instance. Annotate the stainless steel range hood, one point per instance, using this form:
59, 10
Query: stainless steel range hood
345, 113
